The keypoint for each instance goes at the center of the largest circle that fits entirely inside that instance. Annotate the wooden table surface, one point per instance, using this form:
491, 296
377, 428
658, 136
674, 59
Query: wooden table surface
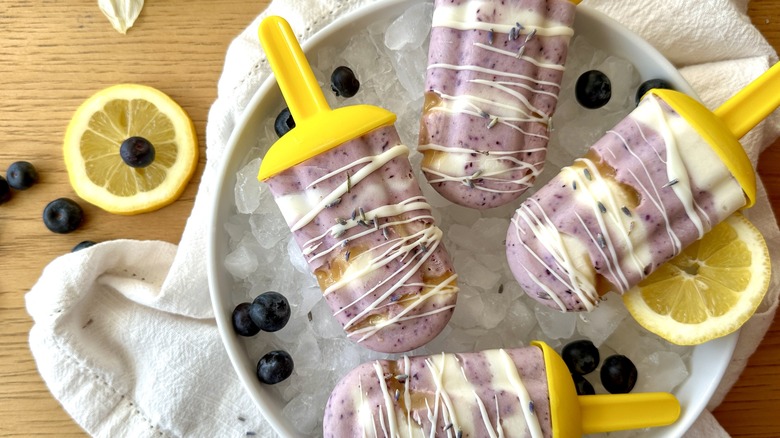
55, 54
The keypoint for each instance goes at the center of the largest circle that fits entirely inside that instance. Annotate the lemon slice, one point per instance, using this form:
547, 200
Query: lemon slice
92, 141
707, 291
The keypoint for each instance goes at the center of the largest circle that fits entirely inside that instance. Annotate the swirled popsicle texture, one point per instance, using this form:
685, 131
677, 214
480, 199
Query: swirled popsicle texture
647, 189
366, 230
494, 393
492, 84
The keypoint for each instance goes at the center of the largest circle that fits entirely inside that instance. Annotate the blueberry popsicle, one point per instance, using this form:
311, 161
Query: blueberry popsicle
343, 182
520, 392
654, 184
492, 83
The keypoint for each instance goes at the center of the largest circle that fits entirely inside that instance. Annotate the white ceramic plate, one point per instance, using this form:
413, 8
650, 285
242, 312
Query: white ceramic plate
707, 363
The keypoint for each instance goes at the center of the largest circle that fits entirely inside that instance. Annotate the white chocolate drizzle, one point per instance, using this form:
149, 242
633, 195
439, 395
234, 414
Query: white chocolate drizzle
619, 238
409, 250
499, 100
450, 408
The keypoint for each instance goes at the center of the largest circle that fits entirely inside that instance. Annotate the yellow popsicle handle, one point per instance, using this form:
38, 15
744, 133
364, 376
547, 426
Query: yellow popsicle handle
743, 111
293, 73
613, 412
318, 128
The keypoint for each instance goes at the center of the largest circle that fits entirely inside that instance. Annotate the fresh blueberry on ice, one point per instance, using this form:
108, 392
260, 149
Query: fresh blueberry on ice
593, 89
81, 245
284, 122
618, 374
270, 311
343, 82
274, 367
242, 322
62, 215
582, 385
21, 175
5, 190
137, 152
648, 85
582, 357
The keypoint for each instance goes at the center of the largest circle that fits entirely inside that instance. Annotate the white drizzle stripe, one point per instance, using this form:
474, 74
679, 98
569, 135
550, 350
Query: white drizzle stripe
540, 64
388, 399
485, 417
655, 196
491, 71
613, 259
675, 168
553, 296
499, 427
442, 148
453, 17
522, 394
374, 162
550, 239
502, 87
462, 102
441, 393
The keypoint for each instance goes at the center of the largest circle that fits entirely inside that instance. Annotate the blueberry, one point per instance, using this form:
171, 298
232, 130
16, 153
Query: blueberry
593, 89
270, 311
81, 245
618, 374
242, 323
582, 385
343, 82
5, 190
649, 85
274, 367
284, 122
62, 215
137, 152
582, 357
21, 175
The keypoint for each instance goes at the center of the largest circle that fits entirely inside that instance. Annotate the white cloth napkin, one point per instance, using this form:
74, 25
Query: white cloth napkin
124, 334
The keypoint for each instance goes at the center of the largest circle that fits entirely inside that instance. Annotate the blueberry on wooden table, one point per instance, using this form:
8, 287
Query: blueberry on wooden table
270, 311
650, 84
137, 152
593, 89
62, 215
618, 374
274, 367
83, 244
343, 82
21, 175
5, 190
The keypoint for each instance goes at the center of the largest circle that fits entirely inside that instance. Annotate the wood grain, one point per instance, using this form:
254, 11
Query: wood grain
55, 54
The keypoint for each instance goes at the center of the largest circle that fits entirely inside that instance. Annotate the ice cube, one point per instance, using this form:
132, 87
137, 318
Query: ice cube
469, 310
554, 323
660, 371
520, 318
409, 30
598, 324
299, 412
248, 189
241, 262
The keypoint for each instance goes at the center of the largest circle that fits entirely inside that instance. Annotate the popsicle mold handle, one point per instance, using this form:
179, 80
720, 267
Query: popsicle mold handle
318, 128
743, 111
613, 412
716, 133
293, 73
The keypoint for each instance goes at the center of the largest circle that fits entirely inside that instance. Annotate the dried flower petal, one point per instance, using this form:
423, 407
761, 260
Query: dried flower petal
121, 13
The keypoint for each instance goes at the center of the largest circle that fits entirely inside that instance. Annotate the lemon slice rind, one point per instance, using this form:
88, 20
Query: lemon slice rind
714, 326
178, 174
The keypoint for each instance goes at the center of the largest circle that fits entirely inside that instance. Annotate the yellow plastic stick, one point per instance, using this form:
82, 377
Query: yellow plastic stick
318, 128
573, 415
743, 111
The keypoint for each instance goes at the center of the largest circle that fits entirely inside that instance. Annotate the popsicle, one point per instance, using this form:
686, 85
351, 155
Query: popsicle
343, 182
492, 83
521, 392
654, 184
